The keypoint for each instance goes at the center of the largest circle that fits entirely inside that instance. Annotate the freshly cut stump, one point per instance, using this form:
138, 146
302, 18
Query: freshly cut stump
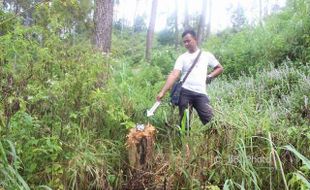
140, 145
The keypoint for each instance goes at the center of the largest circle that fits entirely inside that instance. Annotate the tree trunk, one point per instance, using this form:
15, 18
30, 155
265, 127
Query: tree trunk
103, 18
135, 15
266, 8
202, 22
208, 32
176, 43
186, 17
260, 12
150, 31
17, 8
140, 145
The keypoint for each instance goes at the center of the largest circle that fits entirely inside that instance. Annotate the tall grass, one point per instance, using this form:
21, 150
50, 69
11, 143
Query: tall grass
9, 176
73, 112
241, 148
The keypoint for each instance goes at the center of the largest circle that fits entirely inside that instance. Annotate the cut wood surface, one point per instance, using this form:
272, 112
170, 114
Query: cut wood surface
140, 145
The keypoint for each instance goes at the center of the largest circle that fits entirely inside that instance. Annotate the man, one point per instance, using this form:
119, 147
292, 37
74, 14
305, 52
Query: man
193, 91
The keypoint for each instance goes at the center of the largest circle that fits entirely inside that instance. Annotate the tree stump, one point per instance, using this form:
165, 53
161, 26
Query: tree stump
140, 145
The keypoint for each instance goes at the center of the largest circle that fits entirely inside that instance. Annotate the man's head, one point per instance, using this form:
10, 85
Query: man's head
190, 40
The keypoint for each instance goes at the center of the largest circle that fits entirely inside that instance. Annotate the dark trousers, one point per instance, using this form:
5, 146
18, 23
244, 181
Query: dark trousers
200, 102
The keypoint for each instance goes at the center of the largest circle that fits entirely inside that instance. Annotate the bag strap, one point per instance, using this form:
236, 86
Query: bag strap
191, 68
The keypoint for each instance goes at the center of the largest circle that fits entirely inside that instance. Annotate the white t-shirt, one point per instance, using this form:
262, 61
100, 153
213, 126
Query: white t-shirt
196, 80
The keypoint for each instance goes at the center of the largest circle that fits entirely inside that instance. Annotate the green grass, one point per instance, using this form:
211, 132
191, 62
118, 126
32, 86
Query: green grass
65, 112
242, 147
258, 139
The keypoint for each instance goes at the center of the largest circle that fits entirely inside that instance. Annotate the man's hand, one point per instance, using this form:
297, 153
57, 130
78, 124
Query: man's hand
173, 76
209, 79
160, 96
216, 71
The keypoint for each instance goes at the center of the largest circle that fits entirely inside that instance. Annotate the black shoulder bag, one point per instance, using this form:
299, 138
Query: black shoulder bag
176, 89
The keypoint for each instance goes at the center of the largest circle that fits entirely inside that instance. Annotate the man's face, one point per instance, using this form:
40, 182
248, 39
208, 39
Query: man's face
190, 43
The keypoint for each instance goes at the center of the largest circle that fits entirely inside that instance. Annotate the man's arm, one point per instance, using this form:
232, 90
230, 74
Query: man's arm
216, 71
173, 76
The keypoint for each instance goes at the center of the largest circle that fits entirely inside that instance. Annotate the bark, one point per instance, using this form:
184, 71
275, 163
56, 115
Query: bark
150, 31
135, 14
208, 32
260, 12
103, 18
186, 17
17, 8
140, 145
176, 43
266, 8
202, 22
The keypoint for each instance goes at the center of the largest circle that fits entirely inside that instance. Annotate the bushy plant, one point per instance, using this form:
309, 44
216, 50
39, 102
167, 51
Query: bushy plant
164, 59
283, 36
65, 109
47, 87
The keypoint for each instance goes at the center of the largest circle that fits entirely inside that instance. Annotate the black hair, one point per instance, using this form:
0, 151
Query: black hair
189, 31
